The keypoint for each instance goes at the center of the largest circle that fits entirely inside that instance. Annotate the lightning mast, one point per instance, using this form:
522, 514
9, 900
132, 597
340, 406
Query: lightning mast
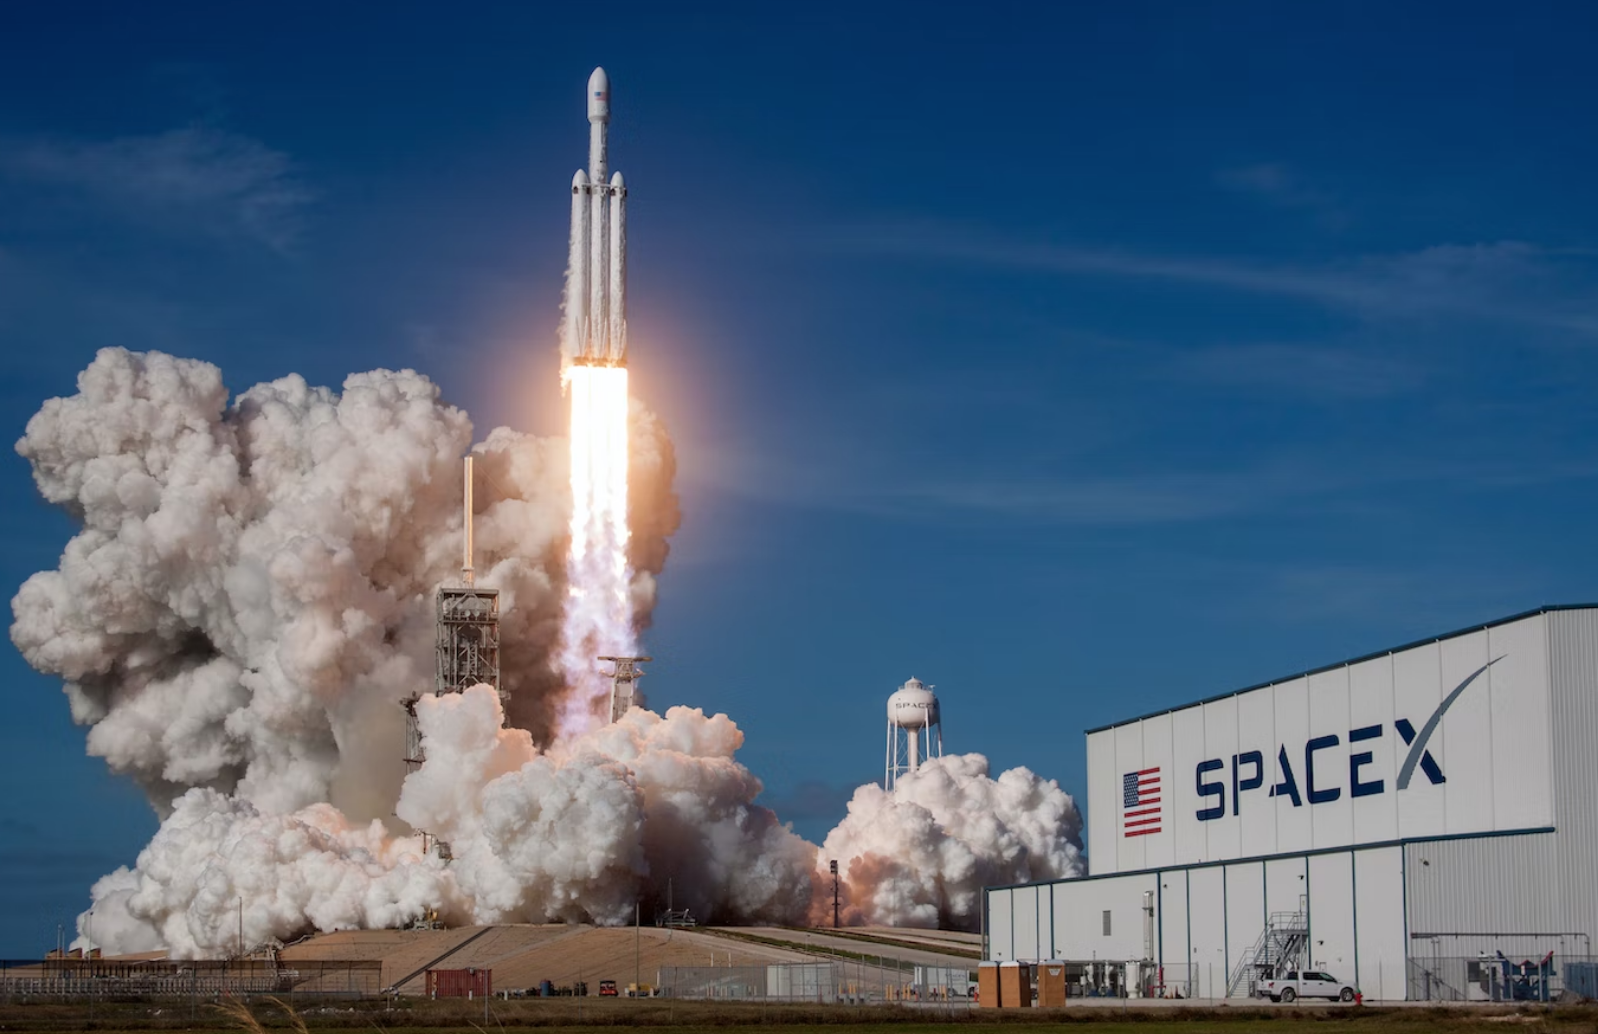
466, 645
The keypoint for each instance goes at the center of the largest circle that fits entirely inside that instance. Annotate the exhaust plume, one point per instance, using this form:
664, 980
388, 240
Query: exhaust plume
250, 597
921, 854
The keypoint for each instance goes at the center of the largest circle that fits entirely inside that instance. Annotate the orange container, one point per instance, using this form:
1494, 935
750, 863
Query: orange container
1051, 985
988, 985
1015, 986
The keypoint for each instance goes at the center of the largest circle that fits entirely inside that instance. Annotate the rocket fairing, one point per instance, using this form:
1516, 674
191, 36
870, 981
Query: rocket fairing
596, 279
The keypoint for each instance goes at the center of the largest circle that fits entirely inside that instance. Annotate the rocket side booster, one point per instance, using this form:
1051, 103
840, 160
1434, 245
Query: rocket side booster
596, 271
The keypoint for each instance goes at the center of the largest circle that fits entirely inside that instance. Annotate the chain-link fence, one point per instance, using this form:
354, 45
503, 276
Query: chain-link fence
857, 981
74, 978
1502, 978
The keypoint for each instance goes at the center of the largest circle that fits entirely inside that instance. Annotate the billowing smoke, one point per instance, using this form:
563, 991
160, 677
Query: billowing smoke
919, 855
249, 599
220, 873
252, 592
576, 835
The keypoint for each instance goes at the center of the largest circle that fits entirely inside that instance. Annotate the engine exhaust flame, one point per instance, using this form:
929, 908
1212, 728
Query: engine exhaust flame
599, 614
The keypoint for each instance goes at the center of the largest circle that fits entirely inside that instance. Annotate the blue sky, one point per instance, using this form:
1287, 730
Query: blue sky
1079, 359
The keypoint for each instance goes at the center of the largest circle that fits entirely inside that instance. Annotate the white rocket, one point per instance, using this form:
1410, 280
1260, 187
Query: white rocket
596, 282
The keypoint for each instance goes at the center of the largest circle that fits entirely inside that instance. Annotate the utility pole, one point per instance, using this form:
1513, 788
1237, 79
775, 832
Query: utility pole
241, 927
638, 947
833, 866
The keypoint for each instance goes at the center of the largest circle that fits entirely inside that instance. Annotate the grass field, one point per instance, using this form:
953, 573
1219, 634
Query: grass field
405, 1016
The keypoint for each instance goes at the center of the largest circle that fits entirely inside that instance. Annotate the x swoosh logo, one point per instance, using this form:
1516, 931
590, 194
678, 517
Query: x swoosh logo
1418, 748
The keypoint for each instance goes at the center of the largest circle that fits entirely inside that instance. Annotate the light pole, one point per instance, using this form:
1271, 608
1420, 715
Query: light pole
833, 865
88, 955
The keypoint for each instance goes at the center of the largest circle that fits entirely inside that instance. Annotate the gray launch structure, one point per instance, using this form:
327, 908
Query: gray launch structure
466, 648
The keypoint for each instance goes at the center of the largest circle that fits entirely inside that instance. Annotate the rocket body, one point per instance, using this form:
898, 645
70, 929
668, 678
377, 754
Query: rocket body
596, 281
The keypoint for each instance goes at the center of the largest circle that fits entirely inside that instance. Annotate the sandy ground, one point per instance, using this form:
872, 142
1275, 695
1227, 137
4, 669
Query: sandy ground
824, 942
521, 956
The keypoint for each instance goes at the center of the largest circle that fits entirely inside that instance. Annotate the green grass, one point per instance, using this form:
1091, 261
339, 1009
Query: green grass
413, 1016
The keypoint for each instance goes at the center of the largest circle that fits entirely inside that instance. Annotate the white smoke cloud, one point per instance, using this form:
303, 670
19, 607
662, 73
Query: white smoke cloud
250, 597
251, 594
219, 872
579, 835
921, 854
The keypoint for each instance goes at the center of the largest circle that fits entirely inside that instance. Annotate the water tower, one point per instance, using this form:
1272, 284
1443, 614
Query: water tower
915, 730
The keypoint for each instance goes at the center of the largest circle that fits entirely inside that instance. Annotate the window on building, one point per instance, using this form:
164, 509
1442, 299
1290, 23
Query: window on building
1106, 922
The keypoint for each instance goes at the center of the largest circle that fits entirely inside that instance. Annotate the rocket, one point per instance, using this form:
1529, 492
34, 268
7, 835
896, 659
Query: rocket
596, 281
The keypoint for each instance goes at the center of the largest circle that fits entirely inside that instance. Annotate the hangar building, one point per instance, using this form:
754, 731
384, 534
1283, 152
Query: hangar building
1390, 819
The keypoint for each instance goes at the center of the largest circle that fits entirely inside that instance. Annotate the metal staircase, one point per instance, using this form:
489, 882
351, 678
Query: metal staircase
1427, 985
1282, 946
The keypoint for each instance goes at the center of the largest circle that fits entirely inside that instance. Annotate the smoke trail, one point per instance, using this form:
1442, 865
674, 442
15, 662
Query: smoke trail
599, 612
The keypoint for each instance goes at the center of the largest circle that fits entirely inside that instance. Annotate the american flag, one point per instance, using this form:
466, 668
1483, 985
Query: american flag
1140, 802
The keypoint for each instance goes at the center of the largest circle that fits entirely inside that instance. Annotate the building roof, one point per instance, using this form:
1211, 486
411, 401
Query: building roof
1343, 664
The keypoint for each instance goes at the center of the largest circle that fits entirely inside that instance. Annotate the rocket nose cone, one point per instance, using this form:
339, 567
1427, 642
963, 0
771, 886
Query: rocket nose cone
616, 180
599, 96
581, 179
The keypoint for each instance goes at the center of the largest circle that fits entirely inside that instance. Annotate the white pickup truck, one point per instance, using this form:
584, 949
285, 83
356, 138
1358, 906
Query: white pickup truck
1308, 984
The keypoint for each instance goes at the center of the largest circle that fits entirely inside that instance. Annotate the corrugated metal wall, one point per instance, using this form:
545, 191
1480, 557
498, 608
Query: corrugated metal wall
1485, 884
1514, 946
1573, 667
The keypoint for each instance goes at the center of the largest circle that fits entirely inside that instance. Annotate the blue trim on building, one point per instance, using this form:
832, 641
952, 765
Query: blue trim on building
1226, 940
1551, 608
1159, 928
1187, 878
1285, 854
1353, 896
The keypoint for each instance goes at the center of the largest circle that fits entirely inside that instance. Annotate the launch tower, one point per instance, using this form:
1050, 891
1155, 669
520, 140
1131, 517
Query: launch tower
466, 646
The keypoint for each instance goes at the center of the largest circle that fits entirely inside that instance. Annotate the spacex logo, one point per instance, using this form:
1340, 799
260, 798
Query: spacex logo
1248, 767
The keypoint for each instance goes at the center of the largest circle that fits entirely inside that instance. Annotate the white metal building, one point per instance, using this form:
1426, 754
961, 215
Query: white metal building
1389, 819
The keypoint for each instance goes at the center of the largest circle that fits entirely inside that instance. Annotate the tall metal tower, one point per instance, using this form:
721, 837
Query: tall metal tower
466, 646
623, 683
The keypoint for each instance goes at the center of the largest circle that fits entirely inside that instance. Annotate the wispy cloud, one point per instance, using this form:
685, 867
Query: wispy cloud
198, 177
879, 483
1079, 493
1322, 371
1422, 595
1510, 281
1280, 186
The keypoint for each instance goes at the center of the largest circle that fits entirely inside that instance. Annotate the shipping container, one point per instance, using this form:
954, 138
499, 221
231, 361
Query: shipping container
460, 983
